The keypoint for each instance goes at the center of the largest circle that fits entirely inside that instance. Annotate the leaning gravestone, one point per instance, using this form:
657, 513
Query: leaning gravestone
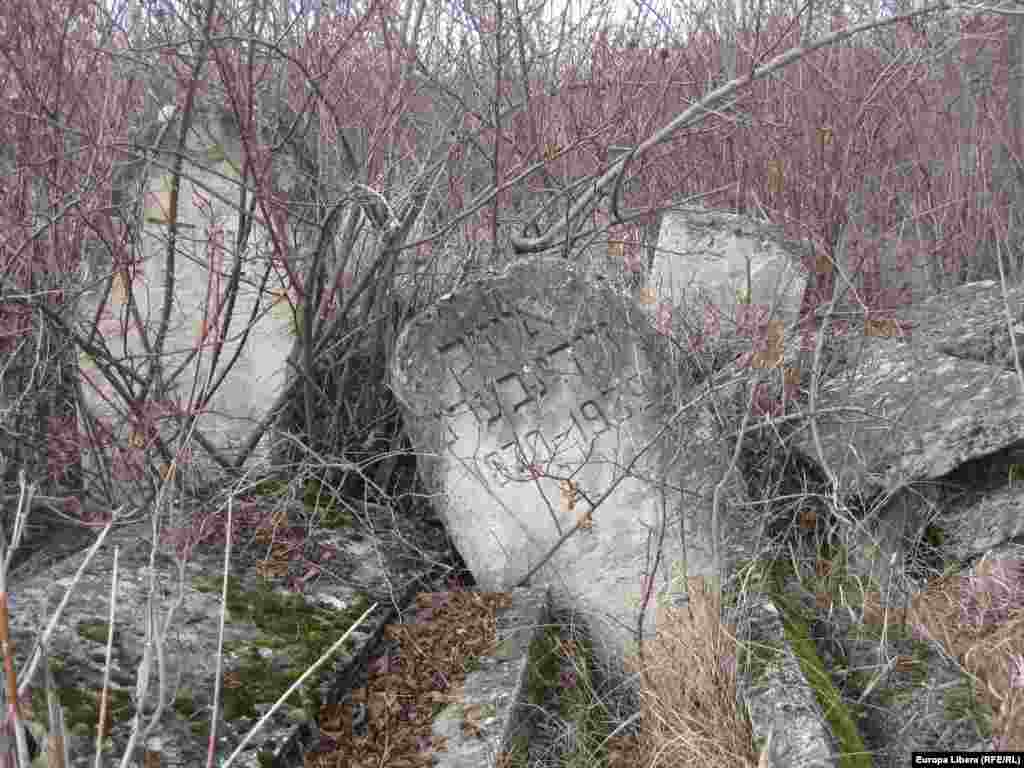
530, 396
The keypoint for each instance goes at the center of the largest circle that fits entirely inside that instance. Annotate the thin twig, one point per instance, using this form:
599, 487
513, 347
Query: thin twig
104, 694
716, 562
622, 476
220, 643
697, 111
1009, 318
6, 646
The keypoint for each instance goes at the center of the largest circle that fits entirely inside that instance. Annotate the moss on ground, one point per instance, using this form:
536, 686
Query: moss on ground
962, 703
758, 659
96, 631
291, 628
82, 708
915, 656
549, 669
316, 498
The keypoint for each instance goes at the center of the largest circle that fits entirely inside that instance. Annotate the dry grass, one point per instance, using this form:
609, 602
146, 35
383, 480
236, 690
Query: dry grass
689, 711
978, 617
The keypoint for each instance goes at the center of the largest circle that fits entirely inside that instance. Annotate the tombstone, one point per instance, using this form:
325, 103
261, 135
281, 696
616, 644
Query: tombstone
530, 398
201, 275
702, 257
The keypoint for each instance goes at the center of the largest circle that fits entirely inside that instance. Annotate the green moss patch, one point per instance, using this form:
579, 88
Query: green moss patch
758, 659
96, 631
962, 703
291, 629
82, 707
853, 753
321, 502
316, 498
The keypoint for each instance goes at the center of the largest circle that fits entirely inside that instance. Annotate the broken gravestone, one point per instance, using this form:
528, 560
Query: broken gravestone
539, 403
249, 369
726, 259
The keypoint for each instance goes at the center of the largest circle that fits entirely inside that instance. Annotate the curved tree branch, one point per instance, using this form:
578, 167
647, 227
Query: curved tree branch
689, 116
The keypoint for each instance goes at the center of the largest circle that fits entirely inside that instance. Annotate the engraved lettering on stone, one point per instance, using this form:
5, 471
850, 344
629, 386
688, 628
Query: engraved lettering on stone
497, 307
635, 384
582, 439
599, 350
497, 466
512, 390
532, 324
508, 463
526, 326
592, 357
485, 406
450, 438
459, 362
532, 379
483, 343
457, 356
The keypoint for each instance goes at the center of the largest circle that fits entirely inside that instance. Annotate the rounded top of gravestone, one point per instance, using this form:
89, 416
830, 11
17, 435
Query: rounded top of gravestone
526, 347
536, 303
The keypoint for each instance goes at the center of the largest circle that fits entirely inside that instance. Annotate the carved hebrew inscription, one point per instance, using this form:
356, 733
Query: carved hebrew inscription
541, 400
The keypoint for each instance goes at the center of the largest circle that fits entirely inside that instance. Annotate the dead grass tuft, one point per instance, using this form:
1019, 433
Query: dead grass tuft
978, 618
689, 712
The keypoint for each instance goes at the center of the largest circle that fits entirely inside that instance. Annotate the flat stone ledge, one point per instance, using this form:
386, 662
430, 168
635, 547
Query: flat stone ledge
496, 689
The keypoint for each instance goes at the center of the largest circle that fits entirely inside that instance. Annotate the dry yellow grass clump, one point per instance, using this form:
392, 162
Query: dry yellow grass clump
688, 708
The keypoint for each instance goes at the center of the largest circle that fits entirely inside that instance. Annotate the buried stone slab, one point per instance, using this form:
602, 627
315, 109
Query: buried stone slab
493, 714
533, 398
785, 714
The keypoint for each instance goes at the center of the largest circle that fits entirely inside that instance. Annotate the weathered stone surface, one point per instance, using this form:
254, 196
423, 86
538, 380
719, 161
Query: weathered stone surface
969, 322
929, 427
263, 652
996, 518
912, 406
907, 410
530, 396
705, 253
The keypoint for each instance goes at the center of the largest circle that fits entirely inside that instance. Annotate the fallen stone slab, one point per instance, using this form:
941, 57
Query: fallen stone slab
969, 322
539, 403
908, 409
276, 626
996, 518
905, 412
